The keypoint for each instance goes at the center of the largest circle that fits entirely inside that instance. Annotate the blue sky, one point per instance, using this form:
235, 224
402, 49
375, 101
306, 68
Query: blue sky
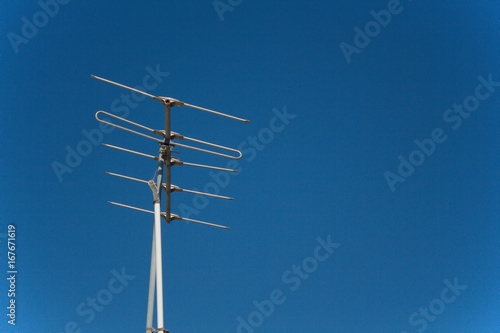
367, 198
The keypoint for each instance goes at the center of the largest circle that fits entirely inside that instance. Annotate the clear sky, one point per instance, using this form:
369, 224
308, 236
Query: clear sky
367, 198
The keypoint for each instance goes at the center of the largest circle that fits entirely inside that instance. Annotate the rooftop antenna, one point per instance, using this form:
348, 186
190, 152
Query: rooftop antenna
167, 140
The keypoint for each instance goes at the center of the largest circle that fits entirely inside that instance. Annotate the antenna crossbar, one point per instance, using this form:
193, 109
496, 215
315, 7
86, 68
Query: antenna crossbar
123, 86
178, 162
207, 151
178, 189
130, 151
173, 188
172, 216
171, 101
211, 144
127, 177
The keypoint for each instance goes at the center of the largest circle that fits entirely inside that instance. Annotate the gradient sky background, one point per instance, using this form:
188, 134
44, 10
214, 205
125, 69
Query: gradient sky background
322, 175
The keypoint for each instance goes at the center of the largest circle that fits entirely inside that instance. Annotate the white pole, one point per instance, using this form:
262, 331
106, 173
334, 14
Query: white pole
151, 295
159, 269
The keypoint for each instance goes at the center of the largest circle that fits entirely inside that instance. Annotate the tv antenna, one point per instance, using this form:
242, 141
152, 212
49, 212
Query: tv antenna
167, 139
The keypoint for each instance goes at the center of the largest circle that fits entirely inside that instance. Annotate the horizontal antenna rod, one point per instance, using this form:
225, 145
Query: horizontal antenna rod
162, 133
214, 145
206, 151
178, 162
130, 207
173, 188
172, 216
124, 86
216, 112
177, 136
131, 151
127, 177
171, 101
176, 217
128, 129
178, 189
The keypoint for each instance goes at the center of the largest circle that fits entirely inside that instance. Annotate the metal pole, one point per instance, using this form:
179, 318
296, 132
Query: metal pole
168, 163
159, 271
151, 295
157, 241
163, 160
156, 256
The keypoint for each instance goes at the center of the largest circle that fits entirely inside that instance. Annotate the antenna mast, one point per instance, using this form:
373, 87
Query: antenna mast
163, 183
